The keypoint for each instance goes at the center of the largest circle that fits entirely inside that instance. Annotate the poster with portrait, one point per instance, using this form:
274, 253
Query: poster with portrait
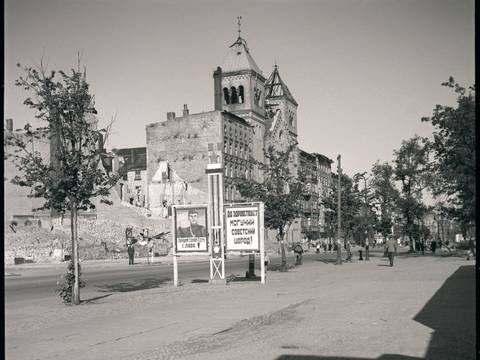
190, 224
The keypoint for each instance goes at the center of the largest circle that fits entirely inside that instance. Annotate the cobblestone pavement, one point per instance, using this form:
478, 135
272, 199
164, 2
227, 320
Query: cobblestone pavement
423, 307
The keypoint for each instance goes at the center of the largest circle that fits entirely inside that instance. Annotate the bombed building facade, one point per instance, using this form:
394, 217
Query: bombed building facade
250, 113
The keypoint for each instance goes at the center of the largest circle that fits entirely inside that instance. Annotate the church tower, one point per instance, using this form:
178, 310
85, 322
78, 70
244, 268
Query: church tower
281, 114
240, 89
280, 104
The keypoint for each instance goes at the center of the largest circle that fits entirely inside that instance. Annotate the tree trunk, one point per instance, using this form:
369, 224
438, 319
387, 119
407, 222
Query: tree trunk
281, 236
74, 229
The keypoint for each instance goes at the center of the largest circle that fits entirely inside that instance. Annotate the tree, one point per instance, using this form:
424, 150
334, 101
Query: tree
453, 146
384, 196
411, 168
71, 177
351, 205
280, 191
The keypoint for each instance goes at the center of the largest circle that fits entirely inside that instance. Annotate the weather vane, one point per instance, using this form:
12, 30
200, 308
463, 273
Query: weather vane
239, 25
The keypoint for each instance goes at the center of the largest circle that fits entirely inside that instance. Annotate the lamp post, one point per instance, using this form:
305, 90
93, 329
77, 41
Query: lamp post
367, 243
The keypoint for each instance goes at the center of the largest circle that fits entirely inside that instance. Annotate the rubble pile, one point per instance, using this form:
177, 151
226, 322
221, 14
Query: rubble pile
33, 244
97, 239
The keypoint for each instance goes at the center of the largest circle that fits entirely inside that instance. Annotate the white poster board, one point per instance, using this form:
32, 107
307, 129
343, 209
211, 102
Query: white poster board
242, 227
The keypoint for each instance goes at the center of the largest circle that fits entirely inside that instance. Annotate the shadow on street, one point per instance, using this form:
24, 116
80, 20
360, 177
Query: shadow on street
310, 357
128, 286
94, 299
450, 313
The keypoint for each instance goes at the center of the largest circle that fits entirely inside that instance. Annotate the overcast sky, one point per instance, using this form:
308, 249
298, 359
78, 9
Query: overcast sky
362, 72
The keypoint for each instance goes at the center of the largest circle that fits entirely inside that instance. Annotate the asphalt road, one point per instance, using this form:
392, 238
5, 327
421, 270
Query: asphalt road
27, 284
24, 285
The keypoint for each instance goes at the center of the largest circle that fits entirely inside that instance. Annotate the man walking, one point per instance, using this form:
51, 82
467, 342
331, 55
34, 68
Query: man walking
391, 247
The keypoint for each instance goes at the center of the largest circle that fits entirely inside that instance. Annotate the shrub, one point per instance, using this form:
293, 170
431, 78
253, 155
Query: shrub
65, 284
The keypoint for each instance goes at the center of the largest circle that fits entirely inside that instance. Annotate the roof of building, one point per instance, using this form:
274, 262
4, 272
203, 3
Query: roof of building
238, 58
323, 158
312, 156
237, 118
275, 87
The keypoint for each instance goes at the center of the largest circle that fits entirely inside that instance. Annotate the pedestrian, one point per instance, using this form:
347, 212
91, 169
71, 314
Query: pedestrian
150, 246
433, 247
131, 253
349, 252
298, 250
318, 248
329, 247
367, 249
266, 261
391, 248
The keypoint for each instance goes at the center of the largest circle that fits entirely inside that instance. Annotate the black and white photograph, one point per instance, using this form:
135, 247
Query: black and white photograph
229, 180
191, 229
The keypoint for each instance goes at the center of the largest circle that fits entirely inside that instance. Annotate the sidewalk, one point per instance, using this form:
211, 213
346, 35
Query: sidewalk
365, 310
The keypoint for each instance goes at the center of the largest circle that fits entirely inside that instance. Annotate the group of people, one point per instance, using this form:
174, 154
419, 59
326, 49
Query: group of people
131, 240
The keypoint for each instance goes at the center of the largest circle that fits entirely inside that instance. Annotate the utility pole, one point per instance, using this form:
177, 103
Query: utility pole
339, 217
367, 218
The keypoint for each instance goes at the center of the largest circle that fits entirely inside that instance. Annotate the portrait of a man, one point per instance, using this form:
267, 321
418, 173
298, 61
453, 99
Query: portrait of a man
194, 229
191, 230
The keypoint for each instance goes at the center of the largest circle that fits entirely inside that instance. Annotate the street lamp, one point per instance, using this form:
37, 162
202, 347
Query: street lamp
367, 245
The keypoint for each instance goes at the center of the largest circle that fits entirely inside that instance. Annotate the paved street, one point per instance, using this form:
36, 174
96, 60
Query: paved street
26, 284
422, 308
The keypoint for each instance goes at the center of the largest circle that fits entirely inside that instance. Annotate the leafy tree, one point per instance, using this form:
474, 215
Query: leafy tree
384, 196
71, 177
280, 191
411, 168
351, 205
453, 146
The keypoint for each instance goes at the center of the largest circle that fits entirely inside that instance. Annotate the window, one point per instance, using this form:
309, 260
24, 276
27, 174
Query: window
240, 95
226, 96
233, 97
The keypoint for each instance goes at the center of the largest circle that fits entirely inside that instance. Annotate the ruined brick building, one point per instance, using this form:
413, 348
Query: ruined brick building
250, 112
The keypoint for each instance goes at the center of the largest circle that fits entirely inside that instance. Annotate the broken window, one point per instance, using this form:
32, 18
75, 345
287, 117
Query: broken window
226, 96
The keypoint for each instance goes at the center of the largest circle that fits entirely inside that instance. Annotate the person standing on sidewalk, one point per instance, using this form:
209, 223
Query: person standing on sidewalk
131, 253
349, 251
367, 248
391, 247
298, 250
150, 251
433, 246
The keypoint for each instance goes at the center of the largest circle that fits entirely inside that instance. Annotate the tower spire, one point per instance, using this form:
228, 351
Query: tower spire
239, 25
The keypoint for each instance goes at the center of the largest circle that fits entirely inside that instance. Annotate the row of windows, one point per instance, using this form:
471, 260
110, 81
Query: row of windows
232, 132
230, 193
233, 96
240, 150
243, 171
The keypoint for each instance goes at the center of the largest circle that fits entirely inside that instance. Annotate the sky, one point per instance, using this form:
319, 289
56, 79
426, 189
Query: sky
362, 72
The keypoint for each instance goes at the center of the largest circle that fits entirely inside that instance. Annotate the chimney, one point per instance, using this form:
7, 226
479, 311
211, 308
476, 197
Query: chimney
185, 110
9, 125
217, 86
170, 116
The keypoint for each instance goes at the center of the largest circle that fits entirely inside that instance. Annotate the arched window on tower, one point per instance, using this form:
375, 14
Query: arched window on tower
226, 96
233, 97
241, 95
